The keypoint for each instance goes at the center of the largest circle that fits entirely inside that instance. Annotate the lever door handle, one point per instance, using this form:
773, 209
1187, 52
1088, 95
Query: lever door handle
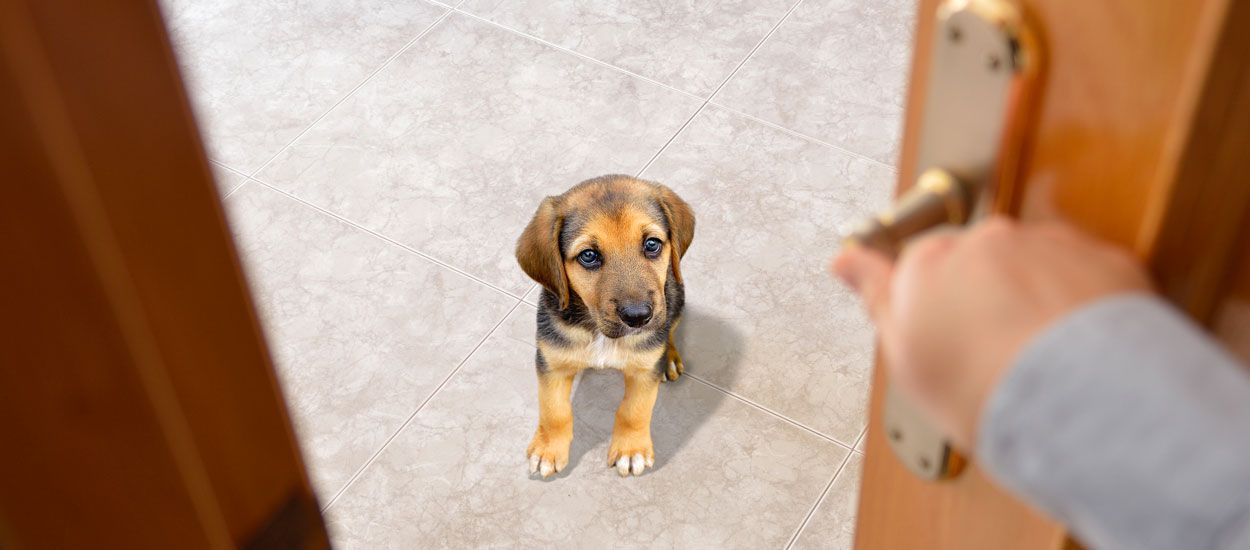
978, 90
938, 198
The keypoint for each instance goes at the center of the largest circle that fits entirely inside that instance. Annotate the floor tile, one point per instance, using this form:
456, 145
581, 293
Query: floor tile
362, 331
863, 442
833, 524
692, 46
768, 321
835, 70
521, 325
452, 147
727, 475
533, 295
226, 180
260, 72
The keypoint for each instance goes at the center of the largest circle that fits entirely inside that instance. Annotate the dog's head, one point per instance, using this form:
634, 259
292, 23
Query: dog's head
610, 242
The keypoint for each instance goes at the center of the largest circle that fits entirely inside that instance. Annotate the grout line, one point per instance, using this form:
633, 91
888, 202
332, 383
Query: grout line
577, 54
352, 92
427, 399
771, 31
234, 171
351, 223
527, 293
802, 135
664, 147
233, 191
227, 167
708, 99
858, 440
780, 416
794, 538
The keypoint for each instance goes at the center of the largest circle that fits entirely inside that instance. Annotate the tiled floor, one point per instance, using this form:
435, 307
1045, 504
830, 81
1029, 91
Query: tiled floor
379, 159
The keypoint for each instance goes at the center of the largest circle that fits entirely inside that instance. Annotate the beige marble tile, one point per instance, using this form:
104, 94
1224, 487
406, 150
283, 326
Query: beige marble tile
451, 148
227, 180
259, 73
769, 321
692, 46
727, 475
833, 523
533, 295
863, 442
521, 325
362, 331
835, 70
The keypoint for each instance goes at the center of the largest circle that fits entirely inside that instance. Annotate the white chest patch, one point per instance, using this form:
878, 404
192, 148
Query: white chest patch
605, 353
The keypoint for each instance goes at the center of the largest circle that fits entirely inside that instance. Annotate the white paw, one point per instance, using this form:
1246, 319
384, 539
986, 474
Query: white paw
546, 466
673, 370
635, 465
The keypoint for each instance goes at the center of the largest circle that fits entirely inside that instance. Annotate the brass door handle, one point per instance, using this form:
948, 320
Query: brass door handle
978, 91
938, 198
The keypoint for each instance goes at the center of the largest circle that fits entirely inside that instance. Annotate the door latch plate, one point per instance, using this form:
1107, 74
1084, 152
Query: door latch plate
981, 77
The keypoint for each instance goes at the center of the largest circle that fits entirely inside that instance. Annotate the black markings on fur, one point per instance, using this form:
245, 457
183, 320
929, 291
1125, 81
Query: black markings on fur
548, 331
657, 338
553, 321
604, 198
674, 297
656, 212
674, 302
573, 224
540, 362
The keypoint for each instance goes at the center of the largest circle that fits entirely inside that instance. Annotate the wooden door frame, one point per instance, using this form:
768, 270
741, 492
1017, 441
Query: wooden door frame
1179, 208
135, 384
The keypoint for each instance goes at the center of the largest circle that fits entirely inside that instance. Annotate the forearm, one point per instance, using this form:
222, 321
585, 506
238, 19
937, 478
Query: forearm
1130, 425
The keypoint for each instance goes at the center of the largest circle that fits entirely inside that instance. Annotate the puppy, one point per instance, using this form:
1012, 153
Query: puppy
607, 253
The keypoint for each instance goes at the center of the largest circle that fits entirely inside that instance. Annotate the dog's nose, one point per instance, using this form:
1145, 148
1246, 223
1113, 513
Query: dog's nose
634, 315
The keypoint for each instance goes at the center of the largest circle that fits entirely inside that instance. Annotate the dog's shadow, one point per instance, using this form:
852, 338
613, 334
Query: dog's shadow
710, 348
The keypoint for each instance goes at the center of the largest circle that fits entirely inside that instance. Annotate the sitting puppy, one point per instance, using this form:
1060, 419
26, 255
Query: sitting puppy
607, 253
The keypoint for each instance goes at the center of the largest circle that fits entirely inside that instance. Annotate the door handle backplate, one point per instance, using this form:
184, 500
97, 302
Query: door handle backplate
980, 88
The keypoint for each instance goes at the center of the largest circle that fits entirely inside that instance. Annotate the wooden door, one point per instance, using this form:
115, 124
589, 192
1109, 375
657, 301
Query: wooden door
138, 404
1142, 137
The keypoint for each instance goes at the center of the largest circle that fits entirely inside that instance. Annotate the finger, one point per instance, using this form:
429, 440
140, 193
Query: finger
927, 250
868, 273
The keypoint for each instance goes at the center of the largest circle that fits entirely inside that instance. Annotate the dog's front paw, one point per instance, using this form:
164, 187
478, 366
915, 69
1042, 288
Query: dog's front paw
548, 454
631, 452
674, 367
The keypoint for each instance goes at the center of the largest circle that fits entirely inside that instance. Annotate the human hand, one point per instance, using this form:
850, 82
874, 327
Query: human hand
958, 306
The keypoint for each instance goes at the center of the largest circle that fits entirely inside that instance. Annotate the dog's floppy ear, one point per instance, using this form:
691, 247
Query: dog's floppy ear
680, 226
538, 250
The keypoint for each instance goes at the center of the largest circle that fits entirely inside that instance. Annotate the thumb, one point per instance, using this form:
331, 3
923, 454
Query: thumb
869, 274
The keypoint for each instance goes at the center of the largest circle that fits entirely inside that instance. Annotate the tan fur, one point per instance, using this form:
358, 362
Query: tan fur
581, 355
613, 216
538, 252
675, 367
555, 418
682, 220
625, 274
631, 434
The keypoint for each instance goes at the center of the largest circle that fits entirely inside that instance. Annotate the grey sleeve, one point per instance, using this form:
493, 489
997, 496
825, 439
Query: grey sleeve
1128, 424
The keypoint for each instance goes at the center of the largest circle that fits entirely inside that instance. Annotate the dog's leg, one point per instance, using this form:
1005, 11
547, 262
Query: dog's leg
674, 367
631, 451
548, 453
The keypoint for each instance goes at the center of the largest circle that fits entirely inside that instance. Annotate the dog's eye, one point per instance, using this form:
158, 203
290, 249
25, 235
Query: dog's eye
652, 246
589, 258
